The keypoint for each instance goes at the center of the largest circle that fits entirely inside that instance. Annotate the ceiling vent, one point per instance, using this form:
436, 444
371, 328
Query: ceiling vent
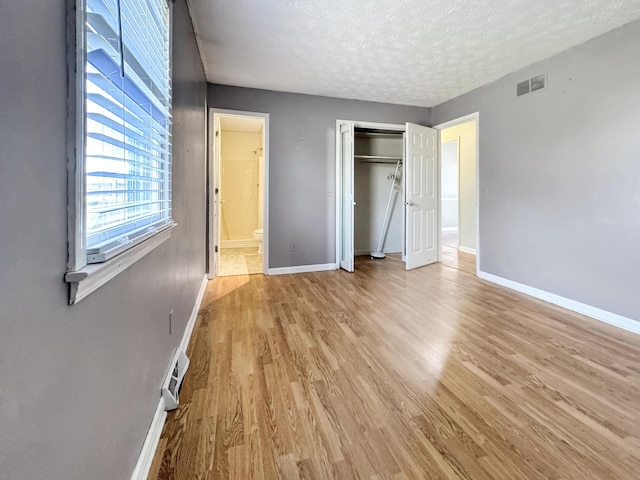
532, 85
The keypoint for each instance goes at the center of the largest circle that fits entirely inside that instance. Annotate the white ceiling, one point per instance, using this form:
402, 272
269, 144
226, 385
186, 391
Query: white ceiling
240, 124
413, 52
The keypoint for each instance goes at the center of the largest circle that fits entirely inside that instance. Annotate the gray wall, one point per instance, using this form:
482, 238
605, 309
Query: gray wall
302, 163
560, 173
80, 384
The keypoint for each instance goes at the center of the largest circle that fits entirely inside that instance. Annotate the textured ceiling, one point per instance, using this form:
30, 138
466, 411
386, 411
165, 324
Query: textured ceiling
413, 52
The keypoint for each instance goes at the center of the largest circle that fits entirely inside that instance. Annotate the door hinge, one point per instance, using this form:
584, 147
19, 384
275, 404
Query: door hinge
216, 191
217, 132
216, 248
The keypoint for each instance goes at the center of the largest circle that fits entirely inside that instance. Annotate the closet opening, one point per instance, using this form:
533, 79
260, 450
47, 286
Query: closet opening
378, 193
387, 200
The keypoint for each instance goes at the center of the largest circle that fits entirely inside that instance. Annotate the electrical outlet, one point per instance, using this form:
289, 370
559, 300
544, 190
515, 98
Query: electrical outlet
292, 247
170, 320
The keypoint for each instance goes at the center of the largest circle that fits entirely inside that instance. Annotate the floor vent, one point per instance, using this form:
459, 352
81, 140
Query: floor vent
172, 383
532, 85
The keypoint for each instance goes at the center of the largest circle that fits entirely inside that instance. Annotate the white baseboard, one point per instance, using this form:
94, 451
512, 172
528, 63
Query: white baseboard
194, 315
573, 305
150, 445
247, 242
303, 269
467, 249
141, 472
449, 229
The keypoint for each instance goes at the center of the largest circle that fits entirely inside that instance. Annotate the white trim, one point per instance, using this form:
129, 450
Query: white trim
194, 315
573, 305
205, 181
212, 199
338, 193
449, 229
213, 162
322, 267
76, 18
452, 123
458, 121
152, 439
248, 242
467, 249
141, 472
88, 279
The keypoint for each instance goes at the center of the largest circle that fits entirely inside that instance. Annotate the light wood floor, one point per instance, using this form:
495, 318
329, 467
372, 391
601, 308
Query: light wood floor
388, 374
453, 257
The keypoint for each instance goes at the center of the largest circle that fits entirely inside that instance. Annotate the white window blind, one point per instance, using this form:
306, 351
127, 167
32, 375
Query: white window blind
127, 151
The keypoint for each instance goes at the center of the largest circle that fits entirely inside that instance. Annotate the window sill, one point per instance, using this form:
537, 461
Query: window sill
88, 279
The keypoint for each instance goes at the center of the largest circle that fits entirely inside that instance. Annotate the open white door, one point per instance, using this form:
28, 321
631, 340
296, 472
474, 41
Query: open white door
346, 188
421, 195
217, 138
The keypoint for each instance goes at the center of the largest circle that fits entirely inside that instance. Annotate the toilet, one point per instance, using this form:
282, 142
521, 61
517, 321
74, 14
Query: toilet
257, 236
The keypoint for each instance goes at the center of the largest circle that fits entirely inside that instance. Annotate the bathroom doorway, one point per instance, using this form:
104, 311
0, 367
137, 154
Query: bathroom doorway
238, 197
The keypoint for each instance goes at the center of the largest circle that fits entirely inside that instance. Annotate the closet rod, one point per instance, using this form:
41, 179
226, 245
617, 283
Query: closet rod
384, 162
376, 159
378, 134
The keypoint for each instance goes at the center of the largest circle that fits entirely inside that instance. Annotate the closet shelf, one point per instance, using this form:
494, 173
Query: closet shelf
376, 159
386, 134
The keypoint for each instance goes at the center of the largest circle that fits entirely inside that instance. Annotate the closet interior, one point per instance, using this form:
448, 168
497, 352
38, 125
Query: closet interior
378, 193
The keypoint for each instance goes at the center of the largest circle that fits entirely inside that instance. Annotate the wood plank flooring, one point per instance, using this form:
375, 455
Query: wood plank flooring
388, 374
453, 257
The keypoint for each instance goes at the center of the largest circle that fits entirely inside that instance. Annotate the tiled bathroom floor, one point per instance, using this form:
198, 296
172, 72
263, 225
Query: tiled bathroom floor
239, 261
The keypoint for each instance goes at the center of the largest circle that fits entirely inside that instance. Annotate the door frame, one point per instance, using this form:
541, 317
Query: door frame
213, 228
338, 171
453, 123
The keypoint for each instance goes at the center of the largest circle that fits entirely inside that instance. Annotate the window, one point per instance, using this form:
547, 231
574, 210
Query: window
121, 163
127, 150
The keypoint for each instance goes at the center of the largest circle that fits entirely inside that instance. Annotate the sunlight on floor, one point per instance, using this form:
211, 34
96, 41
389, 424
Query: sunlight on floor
239, 261
457, 259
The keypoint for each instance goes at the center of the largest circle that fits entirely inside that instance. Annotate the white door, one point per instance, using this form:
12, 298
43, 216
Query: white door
346, 189
421, 195
217, 171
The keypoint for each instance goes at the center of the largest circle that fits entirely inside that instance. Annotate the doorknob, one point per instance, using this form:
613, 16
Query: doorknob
409, 204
